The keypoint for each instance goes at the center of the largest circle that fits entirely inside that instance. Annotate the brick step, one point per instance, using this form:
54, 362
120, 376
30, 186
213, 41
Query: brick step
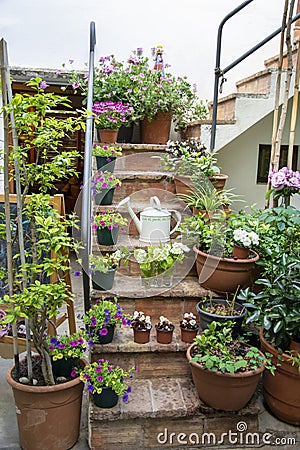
165, 413
171, 302
258, 83
150, 358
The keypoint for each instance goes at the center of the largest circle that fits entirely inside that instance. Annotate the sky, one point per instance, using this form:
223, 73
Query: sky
48, 34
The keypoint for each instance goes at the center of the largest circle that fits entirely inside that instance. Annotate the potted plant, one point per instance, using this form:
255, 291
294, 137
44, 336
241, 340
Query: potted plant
243, 241
225, 372
40, 287
141, 325
284, 184
276, 309
103, 268
218, 309
107, 225
213, 242
189, 327
103, 185
106, 155
65, 352
108, 118
164, 330
106, 382
157, 263
102, 318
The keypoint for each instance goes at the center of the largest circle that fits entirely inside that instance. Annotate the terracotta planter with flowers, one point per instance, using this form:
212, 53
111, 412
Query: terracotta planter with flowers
109, 116
141, 325
156, 130
189, 327
164, 330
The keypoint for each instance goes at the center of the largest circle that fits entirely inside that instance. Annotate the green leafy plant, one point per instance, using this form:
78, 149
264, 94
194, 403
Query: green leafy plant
102, 373
67, 346
104, 180
108, 219
216, 350
108, 261
108, 151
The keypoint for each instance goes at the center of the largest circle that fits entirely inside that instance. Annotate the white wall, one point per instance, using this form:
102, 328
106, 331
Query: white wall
239, 160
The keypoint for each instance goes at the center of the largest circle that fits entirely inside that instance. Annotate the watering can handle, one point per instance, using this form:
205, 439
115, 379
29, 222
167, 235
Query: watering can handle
155, 203
178, 217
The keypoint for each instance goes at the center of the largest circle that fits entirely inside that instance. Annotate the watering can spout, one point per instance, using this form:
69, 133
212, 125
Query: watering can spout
126, 203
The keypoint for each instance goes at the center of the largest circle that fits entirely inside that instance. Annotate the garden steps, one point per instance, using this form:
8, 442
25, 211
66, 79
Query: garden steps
158, 410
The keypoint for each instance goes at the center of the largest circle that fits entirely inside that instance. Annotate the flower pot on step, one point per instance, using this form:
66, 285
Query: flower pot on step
103, 281
163, 336
157, 130
63, 367
48, 416
188, 335
105, 338
141, 336
108, 162
108, 136
106, 399
106, 236
105, 196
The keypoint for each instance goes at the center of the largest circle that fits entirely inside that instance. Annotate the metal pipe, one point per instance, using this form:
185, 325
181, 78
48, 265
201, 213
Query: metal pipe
87, 173
218, 71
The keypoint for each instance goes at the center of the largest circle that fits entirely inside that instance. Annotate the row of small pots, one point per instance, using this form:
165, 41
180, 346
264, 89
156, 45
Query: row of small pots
163, 336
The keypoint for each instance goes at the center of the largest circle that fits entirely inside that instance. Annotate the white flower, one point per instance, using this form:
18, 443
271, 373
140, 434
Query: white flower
140, 255
245, 238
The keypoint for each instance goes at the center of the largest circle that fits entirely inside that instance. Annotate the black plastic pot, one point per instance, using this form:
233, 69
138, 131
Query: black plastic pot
103, 281
106, 236
207, 317
103, 164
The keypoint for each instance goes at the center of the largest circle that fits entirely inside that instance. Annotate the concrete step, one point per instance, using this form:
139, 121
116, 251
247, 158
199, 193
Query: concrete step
258, 83
170, 302
150, 358
166, 413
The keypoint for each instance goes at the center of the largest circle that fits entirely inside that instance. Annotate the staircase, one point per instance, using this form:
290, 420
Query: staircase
254, 99
164, 409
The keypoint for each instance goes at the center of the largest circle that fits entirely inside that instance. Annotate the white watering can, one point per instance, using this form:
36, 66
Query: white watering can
155, 222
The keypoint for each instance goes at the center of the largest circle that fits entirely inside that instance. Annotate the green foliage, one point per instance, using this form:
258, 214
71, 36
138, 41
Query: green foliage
108, 261
216, 350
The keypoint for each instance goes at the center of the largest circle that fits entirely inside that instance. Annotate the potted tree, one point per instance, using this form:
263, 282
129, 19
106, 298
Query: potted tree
225, 372
39, 286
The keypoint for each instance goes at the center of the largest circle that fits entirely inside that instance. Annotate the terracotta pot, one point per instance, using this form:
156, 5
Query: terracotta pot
226, 391
218, 181
164, 337
206, 317
282, 390
48, 416
188, 335
158, 130
141, 336
108, 136
224, 274
183, 184
240, 252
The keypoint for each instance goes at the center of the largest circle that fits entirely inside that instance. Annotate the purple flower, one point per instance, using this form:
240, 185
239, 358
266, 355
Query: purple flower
90, 388
75, 85
77, 274
43, 84
94, 226
103, 331
73, 373
278, 180
125, 398
100, 378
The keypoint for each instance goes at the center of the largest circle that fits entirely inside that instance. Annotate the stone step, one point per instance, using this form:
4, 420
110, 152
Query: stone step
150, 358
166, 413
258, 83
170, 302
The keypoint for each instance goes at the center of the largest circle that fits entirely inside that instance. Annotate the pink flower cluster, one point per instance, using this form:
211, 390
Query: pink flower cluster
111, 114
285, 178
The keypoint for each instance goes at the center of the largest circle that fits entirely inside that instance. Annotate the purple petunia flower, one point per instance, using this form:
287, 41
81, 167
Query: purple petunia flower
125, 398
77, 274
100, 378
73, 373
103, 331
90, 388
43, 84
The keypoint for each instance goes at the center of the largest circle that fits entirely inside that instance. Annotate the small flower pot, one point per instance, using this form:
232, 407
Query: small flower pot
105, 196
188, 335
164, 337
106, 338
63, 367
106, 236
107, 399
106, 163
125, 133
103, 281
240, 252
141, 336
108, 136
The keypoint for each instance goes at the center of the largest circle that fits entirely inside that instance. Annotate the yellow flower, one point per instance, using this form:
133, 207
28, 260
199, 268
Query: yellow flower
70, 353
99, 390
59, 356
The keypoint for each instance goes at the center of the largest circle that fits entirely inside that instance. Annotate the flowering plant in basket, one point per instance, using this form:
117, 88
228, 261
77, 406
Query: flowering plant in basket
108, 219
102, 314
67, 346
111, 115
102, 373
108, 151
104, 180
140, 321
189, 322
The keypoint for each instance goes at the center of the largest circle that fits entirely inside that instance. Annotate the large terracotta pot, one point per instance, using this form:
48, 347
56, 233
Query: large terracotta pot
108, 136
218, 181
226, 391
282, 390
48, 416
224, 274
156, 131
